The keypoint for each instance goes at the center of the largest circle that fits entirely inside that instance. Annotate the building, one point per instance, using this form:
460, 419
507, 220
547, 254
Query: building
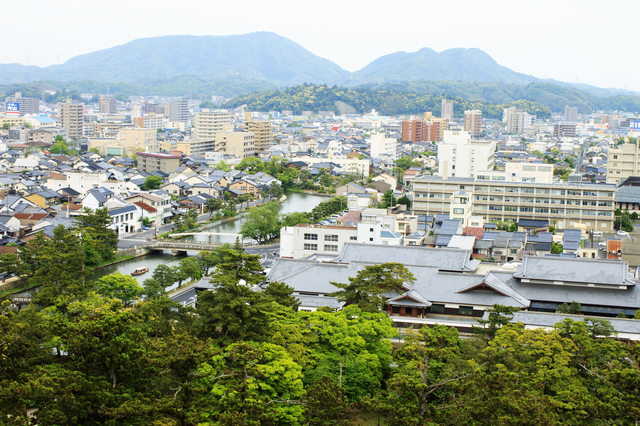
262, 131
459, 157
570, 114
447, 110
239, 144
519, 172
383, 147
564, 130
209, 123
623, 162
104, 129
428, 129
154, 122
566, 205
515, 120
141, 138
40, 136
107, 105
151, 162
25, 105
178, 110
300, 241
71, 118
473, 122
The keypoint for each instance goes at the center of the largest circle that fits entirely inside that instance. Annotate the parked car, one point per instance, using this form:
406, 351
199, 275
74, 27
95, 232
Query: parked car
622, 233
596, 233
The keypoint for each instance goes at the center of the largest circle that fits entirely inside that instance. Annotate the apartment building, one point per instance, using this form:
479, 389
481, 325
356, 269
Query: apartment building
178, 110
240, 144
209, 123
570, 114
447, 110
567, 205
300, 241
564, 130
141, 138
428, 129
154, 122
623, 162
107, 105
152, 162
25, 105
383, 147
473, 122
460, 157
519, 172
71, 118
262, 131
103, 129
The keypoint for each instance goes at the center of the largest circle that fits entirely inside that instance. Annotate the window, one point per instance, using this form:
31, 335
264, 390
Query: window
495, 208
542, 191
313, 237
510, 209
370, 229
458, 211
385, 243
371, 239
330, 247
311, 247
527, 190
353, 238
541, 210
466, 310
437, 309
331, 238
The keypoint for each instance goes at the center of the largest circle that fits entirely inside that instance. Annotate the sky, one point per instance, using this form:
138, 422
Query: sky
569, 40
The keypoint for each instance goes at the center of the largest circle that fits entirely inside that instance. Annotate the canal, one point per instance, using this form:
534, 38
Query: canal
295, 202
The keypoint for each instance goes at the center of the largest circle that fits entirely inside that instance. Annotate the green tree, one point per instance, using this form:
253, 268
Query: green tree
282, 294
623, 222
213, 205
574, 308
276, 191
388, 200
123, 287
366, 289
499, 316
191, 268
262, 222
556, 248
326, 404
151, 183
10, 263
165, 275
95, 151
99, 242
152, 289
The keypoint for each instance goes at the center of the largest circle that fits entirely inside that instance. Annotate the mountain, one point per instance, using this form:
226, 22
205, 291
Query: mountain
257, 56
427, 64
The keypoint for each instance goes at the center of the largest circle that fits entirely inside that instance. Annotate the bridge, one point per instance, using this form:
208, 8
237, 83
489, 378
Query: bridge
205, 233
185, 246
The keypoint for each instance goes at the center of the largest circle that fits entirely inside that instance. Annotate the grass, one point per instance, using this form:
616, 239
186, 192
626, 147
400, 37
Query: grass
116, 259
16, 289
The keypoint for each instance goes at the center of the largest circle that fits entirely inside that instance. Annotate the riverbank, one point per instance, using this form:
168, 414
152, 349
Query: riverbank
310, 192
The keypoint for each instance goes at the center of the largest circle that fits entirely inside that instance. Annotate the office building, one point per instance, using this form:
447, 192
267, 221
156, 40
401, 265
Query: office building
107, 105
178, 110
564, 205
262, 131
459, 157
570, 114
71, 118
623, 162
152, 162
564, 130
239, 144
447, 110
383, 147
473, 122
208, 123
25, 105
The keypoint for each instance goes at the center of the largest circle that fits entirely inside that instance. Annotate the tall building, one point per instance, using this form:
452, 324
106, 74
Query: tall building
447, 110
208, 123
71, 118
240, 144
459, 157
107, 105
516, 120
428, 129
262, 131
151, 162
382, 146
473, 122
25, 105
149, 122
564, 130
570, 114
623, 162
178, 110
142, 139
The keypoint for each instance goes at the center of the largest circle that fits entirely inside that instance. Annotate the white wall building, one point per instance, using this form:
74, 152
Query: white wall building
83, 182
382, 146
300, 241
459, 157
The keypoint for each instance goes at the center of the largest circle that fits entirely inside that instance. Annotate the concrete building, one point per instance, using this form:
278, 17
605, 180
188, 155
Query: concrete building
240, 144
459, 157
71, 118
568, 205
141, 138
154, 122
515, 120
428, 129
262, 131
447, 110
178, 110
473, 122
383, 147
151, 162
25, 105
519, 172
570, 114
107, 105
104, 129
564, 130
300, 241
623, 163
209, 123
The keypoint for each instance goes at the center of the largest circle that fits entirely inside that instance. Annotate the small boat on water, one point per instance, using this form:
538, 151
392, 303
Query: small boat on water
140, 271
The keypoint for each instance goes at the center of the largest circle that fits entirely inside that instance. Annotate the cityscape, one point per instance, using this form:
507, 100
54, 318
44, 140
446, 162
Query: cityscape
434, 239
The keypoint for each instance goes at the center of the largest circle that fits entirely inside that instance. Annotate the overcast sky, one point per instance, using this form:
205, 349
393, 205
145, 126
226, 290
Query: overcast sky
570, 40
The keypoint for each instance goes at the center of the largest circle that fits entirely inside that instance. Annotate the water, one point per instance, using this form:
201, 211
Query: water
295, 202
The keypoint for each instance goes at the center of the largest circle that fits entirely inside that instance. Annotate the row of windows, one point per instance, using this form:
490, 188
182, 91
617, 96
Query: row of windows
314, 237
327, 247
531, 200
543, 191
123, 218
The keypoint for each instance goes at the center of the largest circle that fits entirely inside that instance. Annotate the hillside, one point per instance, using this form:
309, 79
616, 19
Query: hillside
427, 64
256, 56
316, 98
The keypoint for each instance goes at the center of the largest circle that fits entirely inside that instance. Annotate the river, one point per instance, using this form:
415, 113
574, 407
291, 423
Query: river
295, 202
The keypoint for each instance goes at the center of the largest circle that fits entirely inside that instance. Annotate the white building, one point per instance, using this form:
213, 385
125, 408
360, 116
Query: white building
382, 146
83, 182
300, 241
519, 172
459, 157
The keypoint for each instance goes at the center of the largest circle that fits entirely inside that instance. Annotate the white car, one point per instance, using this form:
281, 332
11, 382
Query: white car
596, 233
622, 233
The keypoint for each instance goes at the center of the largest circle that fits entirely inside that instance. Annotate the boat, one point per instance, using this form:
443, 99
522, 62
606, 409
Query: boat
140, 271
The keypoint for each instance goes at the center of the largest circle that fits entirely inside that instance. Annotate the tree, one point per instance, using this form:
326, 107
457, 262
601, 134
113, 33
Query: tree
623, 222
151, 183
213, 204
164, 275
282, 294
99, 241
326, 404
499, 316
262, 222
191, 268
388, 200
556, 248
210, 258
276, 191
574, 308
405, 200
152, 289
123, 287
366, 289
95, 151
10, 263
